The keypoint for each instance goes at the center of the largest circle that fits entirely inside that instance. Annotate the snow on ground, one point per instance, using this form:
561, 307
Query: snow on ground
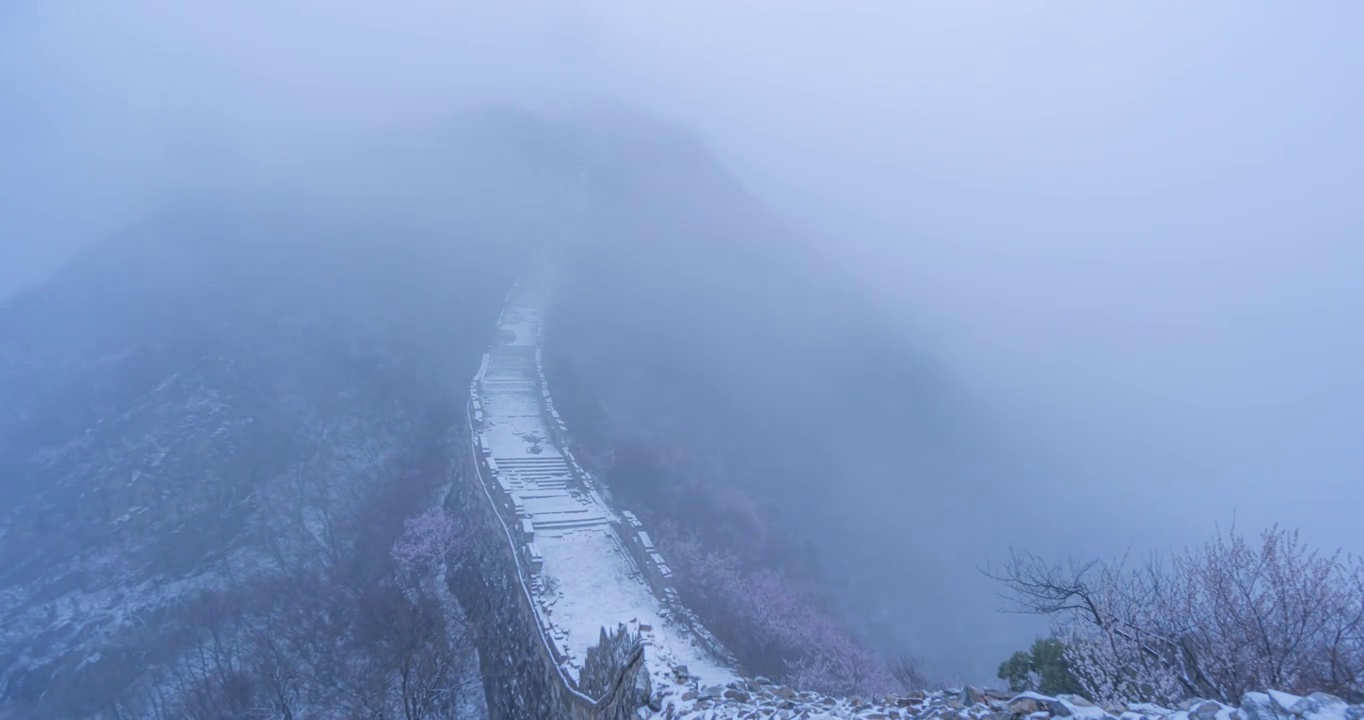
587, 581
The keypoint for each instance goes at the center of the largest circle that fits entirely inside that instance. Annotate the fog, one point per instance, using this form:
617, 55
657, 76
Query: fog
1129, 231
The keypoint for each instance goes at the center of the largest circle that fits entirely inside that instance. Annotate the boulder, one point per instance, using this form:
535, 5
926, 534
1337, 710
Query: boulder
1059, 708
1283, 702
1259, 706
1029, 703
1206, 710
736, 695
1319, 705
1150, 710
1077, 707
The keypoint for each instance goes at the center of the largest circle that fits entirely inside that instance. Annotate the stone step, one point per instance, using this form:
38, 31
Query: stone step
569, 523
555, 469
540, 482
536, 492
553, 498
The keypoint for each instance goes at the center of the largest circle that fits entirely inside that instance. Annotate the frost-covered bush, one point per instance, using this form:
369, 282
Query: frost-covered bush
1232, 616
426, 542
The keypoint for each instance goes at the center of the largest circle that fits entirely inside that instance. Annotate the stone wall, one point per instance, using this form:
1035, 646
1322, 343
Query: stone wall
521, 675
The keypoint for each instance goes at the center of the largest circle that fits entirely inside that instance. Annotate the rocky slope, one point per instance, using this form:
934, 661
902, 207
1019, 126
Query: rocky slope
761, 698
240, 390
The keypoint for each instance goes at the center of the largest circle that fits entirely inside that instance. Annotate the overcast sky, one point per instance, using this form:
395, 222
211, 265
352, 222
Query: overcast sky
1133, 227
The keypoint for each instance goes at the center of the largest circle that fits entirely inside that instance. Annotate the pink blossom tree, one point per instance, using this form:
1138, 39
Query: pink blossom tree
779, 629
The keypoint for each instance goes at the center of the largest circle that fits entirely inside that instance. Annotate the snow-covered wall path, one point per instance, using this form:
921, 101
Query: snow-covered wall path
584, 566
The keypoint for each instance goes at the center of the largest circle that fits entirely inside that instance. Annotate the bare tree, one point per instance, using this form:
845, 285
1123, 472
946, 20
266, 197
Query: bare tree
1212, 622
906, 670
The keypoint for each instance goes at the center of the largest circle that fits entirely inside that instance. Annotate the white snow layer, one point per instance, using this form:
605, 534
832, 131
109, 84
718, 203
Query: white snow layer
587, 580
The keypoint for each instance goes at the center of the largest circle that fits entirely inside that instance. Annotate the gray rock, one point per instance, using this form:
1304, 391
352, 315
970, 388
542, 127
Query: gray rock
971, 696
1318, 703
1076, 700
1206, 710
736, 695
1025, 705
1354, 712
1258, 706
1283, 702
1059, 708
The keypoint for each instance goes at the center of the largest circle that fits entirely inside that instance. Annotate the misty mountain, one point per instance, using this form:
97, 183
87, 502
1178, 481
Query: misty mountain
196, 407
730, 378
222, 395
227, 393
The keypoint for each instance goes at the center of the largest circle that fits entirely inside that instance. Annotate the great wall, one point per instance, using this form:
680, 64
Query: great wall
578, 613
580, 569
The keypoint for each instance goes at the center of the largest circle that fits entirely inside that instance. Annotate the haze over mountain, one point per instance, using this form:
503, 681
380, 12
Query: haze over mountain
911, 285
